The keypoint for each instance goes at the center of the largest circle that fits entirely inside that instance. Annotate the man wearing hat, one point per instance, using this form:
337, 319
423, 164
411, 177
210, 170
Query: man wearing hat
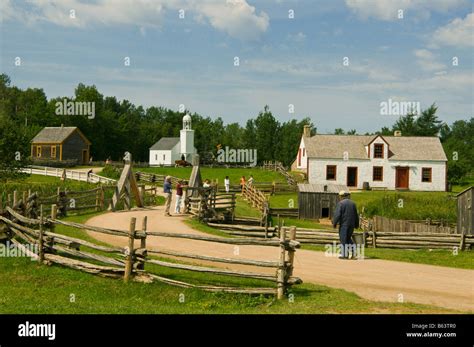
347, 217
167, 191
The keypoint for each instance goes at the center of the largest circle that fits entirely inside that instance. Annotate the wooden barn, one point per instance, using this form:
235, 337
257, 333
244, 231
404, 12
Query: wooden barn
317, 201
466, 211
61, 143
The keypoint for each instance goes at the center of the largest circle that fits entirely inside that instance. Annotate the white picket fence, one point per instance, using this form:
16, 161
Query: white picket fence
70, 174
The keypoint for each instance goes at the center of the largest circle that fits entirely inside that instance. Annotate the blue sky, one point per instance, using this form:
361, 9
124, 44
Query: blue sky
283, 60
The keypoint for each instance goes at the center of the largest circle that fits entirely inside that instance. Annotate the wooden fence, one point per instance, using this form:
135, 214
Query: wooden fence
154, 178
76, 175
373, 239
406, 226
207, 203
96, 199
130, 262
278, 166
255, 197
284, 212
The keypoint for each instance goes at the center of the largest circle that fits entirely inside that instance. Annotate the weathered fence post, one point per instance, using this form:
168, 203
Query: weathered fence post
374, 239
281, 267
130, 255
102, 197
40, 239
141, 265
291, 253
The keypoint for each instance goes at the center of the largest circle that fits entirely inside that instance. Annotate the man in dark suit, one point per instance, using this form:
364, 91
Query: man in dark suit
347, 217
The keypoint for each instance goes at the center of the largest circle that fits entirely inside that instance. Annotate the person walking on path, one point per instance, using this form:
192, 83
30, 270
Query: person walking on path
179, 196
167, 191
227, 184
347, 217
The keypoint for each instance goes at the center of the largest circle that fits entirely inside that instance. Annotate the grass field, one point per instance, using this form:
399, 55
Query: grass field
234, 174
26, 287
392, 204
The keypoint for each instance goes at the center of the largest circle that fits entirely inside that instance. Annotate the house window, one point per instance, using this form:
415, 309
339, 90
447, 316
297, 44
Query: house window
156, 157
426, 174
164, 157
304, 152
331, 172
38, 151
378, 150
377, 173
53, 151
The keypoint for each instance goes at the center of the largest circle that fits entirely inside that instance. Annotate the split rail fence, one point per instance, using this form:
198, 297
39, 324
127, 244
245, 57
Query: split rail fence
130, 263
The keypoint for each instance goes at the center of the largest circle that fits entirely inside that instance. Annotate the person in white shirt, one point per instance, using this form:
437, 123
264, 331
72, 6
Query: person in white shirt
250, 181
227, 184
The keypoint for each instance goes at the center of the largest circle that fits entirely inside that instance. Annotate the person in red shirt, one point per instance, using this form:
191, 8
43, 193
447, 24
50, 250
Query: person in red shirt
179, 195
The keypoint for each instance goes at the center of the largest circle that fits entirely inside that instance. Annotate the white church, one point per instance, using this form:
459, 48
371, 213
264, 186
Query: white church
169, 149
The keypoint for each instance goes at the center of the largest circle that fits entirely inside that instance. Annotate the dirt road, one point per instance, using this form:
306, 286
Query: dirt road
373, 279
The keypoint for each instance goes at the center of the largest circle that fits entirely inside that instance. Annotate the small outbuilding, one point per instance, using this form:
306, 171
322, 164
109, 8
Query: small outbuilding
60, 144
317, 201
466, 211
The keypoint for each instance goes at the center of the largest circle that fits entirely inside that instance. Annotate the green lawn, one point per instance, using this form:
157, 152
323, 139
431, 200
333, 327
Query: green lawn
234, 174
26, 287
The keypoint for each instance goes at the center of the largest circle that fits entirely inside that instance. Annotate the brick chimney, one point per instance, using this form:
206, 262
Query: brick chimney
307, 131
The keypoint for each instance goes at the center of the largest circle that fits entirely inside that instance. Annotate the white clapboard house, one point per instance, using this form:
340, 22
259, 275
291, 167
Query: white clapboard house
169, 149
381, 162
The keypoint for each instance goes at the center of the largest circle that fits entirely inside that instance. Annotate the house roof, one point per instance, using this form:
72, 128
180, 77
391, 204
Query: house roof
165, 143
57, 135
400, 147
319, 188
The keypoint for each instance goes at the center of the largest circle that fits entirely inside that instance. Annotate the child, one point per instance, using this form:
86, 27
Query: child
227, 184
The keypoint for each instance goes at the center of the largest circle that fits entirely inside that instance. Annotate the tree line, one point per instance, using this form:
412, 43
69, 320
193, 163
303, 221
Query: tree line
120, 126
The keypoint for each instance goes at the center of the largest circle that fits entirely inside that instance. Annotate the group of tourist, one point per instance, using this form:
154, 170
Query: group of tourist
167, 189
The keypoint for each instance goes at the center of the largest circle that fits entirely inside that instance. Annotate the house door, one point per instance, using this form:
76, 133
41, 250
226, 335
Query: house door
85, 160
352, 176
401, 178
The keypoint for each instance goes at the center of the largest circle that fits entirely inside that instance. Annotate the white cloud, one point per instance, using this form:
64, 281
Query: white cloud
388, 9
427, 60
459, 33
300, 37
234, 17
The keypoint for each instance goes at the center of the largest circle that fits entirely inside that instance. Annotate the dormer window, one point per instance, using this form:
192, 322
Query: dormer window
378, 150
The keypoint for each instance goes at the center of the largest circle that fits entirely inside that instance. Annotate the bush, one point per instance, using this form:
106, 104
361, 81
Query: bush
411, 206
111, 172
56, 163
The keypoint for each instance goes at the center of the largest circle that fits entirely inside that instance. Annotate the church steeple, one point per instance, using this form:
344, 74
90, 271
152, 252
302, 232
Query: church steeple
187, 139
187, 122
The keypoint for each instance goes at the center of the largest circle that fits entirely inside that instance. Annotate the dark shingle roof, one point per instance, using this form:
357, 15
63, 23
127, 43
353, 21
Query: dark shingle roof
165, 143
53, 134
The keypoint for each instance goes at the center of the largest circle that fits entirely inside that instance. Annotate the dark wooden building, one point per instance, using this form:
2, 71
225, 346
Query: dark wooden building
61, 143
466, 211
317, 201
